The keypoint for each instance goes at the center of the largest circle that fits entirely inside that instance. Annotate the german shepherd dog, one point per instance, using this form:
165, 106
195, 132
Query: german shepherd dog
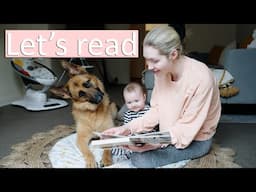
91, 109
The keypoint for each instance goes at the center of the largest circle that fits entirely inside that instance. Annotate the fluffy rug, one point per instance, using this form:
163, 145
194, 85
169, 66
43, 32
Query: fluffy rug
34, 152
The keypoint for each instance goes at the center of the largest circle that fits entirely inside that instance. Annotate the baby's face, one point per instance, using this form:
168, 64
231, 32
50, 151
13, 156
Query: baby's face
135, 100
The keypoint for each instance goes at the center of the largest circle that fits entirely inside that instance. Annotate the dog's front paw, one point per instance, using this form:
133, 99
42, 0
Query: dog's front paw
106, 159
91, 163
105, 163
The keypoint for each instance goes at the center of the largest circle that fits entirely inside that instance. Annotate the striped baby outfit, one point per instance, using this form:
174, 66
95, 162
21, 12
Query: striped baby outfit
118, 153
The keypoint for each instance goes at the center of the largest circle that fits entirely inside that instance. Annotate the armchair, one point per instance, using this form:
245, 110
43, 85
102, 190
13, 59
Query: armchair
241, 63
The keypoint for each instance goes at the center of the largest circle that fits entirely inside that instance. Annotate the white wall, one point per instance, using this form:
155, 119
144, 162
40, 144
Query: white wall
11, 85
202, 37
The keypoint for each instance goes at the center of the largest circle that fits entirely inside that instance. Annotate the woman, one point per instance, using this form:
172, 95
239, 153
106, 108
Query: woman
185, 101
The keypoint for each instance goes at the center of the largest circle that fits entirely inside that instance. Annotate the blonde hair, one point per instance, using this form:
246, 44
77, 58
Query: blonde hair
132, 86
165, 39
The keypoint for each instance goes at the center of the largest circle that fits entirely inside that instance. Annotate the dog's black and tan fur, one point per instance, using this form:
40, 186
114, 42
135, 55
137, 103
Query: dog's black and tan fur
91, 109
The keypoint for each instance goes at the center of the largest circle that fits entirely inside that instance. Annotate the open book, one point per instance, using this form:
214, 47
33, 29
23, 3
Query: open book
119, 140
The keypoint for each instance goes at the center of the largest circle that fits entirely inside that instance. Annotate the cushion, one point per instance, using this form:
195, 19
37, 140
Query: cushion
228, 91
222, 76
224, 79
253, 42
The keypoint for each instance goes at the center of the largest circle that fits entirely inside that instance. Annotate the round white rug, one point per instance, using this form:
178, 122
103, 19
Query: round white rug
65, 154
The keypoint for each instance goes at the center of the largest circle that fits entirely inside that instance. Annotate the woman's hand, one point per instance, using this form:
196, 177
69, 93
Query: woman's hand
121, 130
146, 147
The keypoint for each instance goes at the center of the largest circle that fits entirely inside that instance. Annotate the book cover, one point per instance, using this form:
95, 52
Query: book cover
119, 140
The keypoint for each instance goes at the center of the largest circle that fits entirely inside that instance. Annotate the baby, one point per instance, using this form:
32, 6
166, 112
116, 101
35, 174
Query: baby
134, 95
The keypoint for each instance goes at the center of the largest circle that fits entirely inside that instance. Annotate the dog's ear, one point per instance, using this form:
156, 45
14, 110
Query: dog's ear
60, 92
73, 69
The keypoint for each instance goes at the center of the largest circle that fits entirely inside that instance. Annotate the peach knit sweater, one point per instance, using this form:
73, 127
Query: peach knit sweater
189, 108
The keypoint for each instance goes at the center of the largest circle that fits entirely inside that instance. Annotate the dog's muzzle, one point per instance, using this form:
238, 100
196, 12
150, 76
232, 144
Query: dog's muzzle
94, 99
97, 98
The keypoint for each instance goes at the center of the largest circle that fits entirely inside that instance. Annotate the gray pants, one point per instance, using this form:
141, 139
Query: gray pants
170, 154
